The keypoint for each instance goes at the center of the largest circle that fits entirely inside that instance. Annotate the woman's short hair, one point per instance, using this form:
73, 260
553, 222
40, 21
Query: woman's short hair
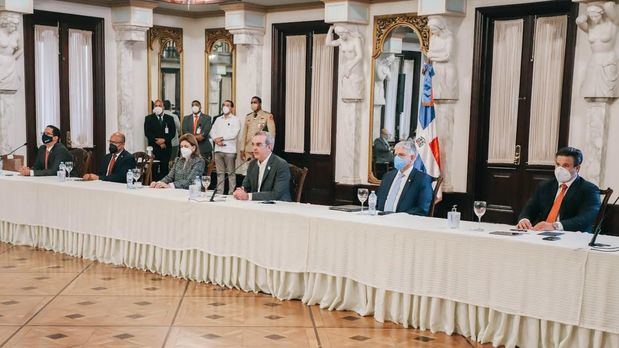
191, 139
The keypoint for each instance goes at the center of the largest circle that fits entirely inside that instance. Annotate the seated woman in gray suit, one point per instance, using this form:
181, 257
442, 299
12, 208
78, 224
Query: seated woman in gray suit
186, 167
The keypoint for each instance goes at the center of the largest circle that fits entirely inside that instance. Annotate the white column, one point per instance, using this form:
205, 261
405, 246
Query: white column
596, 139
130, 25
11, 38
349, 19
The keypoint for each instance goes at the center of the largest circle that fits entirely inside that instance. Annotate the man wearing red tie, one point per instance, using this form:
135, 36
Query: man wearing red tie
566, 203
49, 155
199, 125
116, 163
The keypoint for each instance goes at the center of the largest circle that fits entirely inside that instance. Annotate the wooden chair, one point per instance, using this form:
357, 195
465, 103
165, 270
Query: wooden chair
297, 180
81, 162
437, 187
145, 163
605, 198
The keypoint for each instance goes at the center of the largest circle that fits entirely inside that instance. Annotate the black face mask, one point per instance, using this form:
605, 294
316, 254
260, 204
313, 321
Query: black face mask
113, 148
46, 139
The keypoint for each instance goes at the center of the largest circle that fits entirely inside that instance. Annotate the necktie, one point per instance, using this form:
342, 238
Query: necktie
554, 212
111, 166
195, 124
46, 157
393, 192
160, 120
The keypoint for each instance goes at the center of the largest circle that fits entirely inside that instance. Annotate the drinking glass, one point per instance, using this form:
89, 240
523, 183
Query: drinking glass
362, 194
206, 182
69, 166
479, 207
137, 174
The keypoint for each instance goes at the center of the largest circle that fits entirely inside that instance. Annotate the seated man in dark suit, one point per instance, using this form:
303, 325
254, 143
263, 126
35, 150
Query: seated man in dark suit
566, 203
116, 163
49, 155
405, 189
268, 175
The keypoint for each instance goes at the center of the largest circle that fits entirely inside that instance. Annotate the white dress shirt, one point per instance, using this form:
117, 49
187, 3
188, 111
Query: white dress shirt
262, 167
227, 127
403, 181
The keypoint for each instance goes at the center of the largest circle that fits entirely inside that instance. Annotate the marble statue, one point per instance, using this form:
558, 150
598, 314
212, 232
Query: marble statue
382, 73
445, 82
600, 24
10, 50
350, 44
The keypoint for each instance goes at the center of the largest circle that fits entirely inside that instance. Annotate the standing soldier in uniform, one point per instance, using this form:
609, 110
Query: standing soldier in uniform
256, 121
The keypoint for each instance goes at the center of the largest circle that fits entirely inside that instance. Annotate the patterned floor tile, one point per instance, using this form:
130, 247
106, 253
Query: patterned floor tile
197, 289
136, 283
16, 310
27, 260
241, 337
346, 319
71, 336
366, 337
108, 311
242, 311
6, 332
34, 283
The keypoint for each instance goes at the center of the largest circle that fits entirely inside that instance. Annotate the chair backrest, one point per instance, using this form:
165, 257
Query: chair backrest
81, 161
605, 198
438, 182
145, 163
297, 180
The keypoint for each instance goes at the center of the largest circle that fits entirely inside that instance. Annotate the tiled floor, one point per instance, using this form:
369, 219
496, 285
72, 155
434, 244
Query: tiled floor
54, 300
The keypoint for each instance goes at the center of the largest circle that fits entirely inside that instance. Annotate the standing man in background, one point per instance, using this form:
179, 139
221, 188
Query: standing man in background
199, 124
159, 130
256, 121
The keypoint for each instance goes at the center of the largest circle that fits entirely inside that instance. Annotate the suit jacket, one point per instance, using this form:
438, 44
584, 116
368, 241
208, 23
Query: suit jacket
578, 210
184, 172
124, 162
153, 129
58, 153
275, 180
203, 128
381, 151
416, 196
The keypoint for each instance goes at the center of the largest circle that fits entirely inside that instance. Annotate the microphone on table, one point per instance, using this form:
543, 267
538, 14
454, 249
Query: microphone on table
235, 169
12, 152
598, 228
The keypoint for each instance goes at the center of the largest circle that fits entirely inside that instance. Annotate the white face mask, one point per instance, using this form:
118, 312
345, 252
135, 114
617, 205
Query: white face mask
158, 110
563, 175
226, 110
186, 152
195, 109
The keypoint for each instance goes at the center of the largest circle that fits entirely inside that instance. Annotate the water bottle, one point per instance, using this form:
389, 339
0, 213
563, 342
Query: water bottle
62, 167
61, 175
129, 179
372, 203
453, 217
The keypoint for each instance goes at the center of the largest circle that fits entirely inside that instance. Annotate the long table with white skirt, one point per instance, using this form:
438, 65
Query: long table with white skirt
506, 290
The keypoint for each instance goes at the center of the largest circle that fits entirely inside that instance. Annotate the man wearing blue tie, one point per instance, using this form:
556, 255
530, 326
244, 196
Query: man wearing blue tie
405, 189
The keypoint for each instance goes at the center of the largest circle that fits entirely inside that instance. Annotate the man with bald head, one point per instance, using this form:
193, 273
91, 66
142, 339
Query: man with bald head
116, 163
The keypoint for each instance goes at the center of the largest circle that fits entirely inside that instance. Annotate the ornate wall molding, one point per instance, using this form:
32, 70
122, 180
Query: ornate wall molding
385, 24
214, 35
163, 35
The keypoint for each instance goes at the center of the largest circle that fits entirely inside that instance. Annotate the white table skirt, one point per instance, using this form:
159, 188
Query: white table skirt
401, 263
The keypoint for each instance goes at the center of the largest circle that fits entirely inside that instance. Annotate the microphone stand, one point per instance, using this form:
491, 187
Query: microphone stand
598, 229
212, 199
12, 152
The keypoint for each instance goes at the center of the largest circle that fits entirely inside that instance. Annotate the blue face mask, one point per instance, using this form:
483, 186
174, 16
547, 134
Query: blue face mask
399, 162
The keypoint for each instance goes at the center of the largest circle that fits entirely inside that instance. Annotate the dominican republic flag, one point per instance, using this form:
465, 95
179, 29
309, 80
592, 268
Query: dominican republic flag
428, 158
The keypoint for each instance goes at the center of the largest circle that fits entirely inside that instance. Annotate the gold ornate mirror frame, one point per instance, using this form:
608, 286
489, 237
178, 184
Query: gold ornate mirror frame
163, 35
211, 37
383, 26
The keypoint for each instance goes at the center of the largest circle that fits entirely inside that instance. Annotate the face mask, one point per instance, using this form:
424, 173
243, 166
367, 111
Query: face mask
226, 110
113, 148
186, 152
46, 139
563, 175
399, 162
158, 110
254, 107
195, 109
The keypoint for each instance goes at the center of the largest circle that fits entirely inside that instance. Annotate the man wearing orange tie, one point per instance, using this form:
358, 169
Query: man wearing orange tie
566, 203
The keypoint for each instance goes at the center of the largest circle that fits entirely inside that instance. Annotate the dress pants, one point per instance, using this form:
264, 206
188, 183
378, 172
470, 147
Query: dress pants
224, 164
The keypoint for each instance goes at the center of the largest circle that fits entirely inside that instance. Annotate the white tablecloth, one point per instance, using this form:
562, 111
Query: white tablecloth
562, 282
